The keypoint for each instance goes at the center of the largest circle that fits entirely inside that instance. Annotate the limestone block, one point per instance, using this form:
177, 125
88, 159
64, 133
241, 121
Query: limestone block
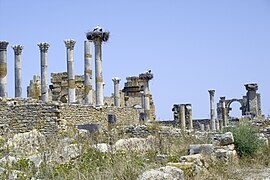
167, 172
204, 149
223, 139
227, 155
101, 147
134, 145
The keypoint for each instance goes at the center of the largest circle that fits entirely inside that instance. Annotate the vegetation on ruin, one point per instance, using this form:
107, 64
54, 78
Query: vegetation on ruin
93, 164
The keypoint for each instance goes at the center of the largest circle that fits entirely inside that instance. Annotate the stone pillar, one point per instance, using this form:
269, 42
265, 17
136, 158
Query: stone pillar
116, 96
182, 117
44, 70
18, 69
217, 125
98, 74
70, 43
88, 90
252, 99
98, 36
146, 77
3, 68
189, 114
142, 98
212, 110
224, 112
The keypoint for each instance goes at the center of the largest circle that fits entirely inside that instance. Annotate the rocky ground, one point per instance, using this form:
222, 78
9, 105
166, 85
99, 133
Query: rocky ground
148, 152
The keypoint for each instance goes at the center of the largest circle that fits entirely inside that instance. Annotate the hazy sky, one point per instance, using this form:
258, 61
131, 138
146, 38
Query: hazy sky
190, 45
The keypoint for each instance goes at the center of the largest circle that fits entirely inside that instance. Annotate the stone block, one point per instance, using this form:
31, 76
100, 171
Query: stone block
204, 149
223, 139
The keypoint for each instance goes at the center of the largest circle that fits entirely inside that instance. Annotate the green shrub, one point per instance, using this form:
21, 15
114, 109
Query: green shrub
246, 139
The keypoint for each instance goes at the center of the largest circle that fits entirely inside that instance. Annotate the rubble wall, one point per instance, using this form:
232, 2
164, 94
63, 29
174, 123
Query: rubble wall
23, 115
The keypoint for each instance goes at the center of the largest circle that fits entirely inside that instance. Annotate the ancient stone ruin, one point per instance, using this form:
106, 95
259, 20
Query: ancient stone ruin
73, 92
250, 107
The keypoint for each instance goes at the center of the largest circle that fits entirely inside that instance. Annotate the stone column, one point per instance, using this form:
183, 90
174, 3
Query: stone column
88, 90
189, 113
98, 74
224, 111
116, 82
98, 36
18, 70
252, 99
212, 110
3, 68
182, 117
217, 125
146, 77
44, 70
70, 43
142, 98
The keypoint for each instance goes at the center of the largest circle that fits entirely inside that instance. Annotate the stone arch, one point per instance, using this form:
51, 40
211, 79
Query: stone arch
230, 101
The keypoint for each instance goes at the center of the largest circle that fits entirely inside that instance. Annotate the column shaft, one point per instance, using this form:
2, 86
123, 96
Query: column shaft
88, 90
44, 70
182, 117
224, 114
70, 71
146, 99
116, 82
189, 112
98, 74
18, 70
3, 68
212, 109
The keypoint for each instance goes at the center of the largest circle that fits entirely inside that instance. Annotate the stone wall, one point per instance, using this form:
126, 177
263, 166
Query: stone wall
22, 115
81, 114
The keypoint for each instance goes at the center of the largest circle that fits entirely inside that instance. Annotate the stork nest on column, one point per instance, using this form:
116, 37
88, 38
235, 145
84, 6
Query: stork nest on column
146, 75
92, 35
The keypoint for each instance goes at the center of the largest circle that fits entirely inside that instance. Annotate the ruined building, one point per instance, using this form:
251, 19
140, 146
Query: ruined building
250, 107
73, 94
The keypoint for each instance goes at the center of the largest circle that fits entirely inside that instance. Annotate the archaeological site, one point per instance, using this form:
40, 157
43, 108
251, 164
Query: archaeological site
67, 129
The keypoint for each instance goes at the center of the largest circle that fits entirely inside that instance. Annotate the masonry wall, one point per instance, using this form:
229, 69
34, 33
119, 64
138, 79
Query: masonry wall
81, 114
22, 115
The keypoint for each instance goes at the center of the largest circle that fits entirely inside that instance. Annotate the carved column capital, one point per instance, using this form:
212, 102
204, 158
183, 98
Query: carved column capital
17, 49
3, 45
70, 43
211, 92
116, 80
43, 47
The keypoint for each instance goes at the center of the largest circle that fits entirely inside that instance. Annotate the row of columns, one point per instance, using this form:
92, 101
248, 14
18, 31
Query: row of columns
44, 71
183, 116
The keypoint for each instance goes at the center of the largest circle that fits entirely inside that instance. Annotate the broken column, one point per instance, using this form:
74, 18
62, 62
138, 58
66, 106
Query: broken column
253, 108
146, 77
189, 116
182, 116
70, 43
3, 68
98, 36
44, 70
224, 112
18, 69
212, 110
116, 94
88, 90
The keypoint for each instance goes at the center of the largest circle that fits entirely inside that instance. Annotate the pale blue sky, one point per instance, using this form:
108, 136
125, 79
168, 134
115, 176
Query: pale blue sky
190, 45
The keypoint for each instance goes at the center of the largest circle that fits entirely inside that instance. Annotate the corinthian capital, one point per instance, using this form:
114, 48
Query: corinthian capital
211, 92
43, 47
3, 45
70, 43
17, 49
